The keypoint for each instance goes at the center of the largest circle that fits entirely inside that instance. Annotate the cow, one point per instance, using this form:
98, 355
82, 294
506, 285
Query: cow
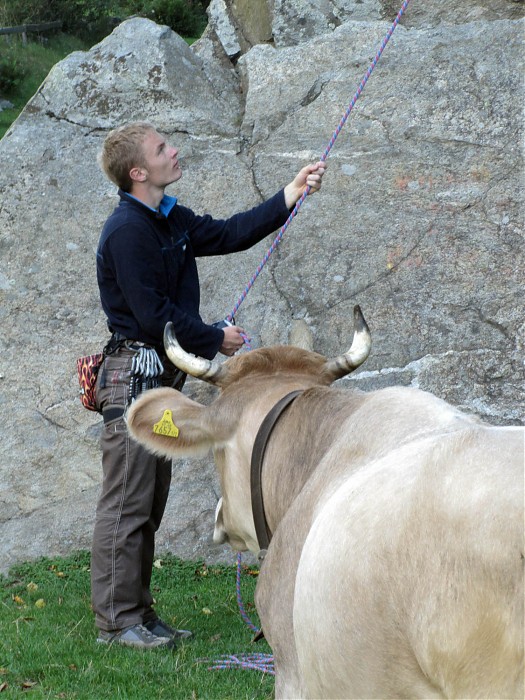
392, 532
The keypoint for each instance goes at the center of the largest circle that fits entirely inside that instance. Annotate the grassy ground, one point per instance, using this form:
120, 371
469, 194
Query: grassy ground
48, 640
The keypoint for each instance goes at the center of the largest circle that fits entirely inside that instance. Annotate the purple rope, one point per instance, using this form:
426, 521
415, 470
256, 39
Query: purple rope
254, 662
323, 158
239, 597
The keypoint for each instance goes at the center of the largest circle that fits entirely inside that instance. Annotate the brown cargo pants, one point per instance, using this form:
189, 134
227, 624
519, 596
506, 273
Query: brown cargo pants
134, 493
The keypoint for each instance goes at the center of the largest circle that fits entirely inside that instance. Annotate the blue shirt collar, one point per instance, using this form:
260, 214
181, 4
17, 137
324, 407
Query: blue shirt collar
166, 203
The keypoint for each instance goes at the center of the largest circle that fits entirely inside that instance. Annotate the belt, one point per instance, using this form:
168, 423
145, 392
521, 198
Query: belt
112, 413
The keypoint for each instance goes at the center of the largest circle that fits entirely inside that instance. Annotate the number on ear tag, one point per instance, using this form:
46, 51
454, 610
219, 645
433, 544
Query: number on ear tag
166, 426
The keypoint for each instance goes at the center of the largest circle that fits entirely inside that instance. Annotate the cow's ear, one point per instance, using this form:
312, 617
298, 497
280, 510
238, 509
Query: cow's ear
170, 424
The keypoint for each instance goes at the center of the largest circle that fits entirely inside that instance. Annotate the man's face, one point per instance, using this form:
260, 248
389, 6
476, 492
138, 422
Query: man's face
161, 163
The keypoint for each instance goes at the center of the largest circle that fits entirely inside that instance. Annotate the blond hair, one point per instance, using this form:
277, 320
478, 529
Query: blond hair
122, 150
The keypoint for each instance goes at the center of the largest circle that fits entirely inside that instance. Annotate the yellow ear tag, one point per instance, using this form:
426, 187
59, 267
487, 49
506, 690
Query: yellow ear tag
166, 426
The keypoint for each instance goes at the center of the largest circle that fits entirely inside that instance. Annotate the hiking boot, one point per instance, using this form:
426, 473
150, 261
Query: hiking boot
162, 629
136, 636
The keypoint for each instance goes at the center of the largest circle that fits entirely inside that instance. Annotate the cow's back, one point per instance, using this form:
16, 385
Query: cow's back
410, 582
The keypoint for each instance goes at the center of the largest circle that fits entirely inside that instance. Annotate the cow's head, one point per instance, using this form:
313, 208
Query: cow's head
170, 424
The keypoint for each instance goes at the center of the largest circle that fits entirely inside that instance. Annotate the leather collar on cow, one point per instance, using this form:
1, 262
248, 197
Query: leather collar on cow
262, 530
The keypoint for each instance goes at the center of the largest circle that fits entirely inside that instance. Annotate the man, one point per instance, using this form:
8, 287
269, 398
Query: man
147, 276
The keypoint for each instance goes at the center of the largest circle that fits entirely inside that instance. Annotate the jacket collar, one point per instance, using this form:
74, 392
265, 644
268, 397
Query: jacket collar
166, 205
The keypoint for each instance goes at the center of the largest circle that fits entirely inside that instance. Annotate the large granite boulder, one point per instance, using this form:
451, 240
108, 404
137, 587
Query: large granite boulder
419, 221
240, 24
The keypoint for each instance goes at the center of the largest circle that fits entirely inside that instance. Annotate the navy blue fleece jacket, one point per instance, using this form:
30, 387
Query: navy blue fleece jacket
146, 269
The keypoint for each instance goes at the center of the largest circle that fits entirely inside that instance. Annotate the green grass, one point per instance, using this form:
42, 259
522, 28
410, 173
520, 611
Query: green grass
37, 60
48, 639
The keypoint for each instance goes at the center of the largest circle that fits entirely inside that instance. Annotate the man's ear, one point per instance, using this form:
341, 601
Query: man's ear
138, 174
170, 424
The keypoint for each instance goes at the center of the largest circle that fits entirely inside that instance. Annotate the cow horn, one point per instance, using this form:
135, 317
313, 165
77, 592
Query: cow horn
196, 366
358, 352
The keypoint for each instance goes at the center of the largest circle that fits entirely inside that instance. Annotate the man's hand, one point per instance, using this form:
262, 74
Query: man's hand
233, 340
309, 176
